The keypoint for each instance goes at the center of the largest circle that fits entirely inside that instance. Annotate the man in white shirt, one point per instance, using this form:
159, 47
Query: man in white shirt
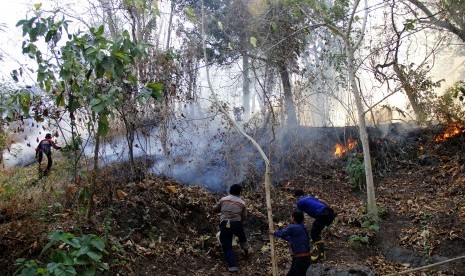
233, 213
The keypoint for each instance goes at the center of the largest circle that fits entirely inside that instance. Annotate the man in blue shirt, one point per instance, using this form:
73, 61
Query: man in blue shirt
297, 236
323, 214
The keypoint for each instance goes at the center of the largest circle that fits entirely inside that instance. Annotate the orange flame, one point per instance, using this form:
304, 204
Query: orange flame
451, 131
339, 149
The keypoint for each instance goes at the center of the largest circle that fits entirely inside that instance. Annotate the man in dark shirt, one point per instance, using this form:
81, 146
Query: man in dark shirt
45, 147
323, 214
297, 236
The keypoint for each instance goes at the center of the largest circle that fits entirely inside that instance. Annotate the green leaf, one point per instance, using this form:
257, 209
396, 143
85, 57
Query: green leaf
62, 270
98, 243
190, 13
121, 56
95, 101
60, 100
253, 41
56, 236
88, 272
21, 22
82, 260
83, 250
29, 271
100, 31
108, 65
99, 108
410, 24
156, 88
73, 104
274, 26
57, 256
94, 255
74, 242
14, 75
37, 6
104, 266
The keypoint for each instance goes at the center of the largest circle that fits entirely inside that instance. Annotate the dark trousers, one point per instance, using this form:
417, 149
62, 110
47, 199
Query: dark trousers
49, 160
226, 236
324, 219
299, 266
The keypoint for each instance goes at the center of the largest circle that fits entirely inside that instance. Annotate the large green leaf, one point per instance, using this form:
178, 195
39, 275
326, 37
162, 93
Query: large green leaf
60, 100
59, 269
82, 260
83, 250
73, 104
59, 256
156, 88
88, 272
94, 255
98, 243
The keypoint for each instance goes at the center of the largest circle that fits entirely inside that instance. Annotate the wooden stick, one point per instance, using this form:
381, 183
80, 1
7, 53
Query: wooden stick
427, 266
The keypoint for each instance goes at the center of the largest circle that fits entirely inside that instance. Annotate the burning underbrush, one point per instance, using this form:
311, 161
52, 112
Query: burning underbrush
450, 131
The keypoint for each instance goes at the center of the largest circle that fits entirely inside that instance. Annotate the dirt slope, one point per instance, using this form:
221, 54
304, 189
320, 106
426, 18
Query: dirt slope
161, 227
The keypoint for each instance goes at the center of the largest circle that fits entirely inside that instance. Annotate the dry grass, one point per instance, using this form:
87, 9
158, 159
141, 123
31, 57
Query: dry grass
22, 191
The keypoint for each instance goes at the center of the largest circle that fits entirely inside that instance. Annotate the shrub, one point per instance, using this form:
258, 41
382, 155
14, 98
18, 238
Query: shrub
72, 256
355, 168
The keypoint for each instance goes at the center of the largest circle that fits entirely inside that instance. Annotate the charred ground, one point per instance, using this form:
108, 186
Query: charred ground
158, 226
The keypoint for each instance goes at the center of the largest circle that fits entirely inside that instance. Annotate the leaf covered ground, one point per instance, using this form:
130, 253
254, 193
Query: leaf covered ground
161, 227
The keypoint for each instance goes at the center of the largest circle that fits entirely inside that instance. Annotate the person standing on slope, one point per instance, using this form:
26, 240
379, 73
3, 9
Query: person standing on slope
233, 213
45, 147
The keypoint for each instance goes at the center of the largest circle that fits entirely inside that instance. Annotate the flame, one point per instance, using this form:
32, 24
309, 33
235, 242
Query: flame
339, 149
451, 131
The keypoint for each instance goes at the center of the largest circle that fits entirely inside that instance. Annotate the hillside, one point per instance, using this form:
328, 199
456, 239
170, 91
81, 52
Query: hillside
162, 227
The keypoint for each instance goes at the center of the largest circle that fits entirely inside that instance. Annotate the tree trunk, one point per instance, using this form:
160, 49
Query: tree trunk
270, 217
2, 143
130, 131
74, 148
170, 22
93, 183
410, 92
372, 210
108, 11
245, 86
288, 101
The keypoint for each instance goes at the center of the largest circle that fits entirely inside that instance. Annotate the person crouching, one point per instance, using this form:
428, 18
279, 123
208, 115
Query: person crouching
297, 236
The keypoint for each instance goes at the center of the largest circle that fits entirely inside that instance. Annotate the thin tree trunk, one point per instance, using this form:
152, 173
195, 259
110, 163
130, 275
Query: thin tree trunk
130, 130
2, 143
170, 22
74, 148
245, 86
93, 183
410, 92
289, 103
107, 10
372, 210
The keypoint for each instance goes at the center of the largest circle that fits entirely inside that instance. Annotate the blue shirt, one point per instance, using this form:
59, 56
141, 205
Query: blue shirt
310, 205
297, 236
